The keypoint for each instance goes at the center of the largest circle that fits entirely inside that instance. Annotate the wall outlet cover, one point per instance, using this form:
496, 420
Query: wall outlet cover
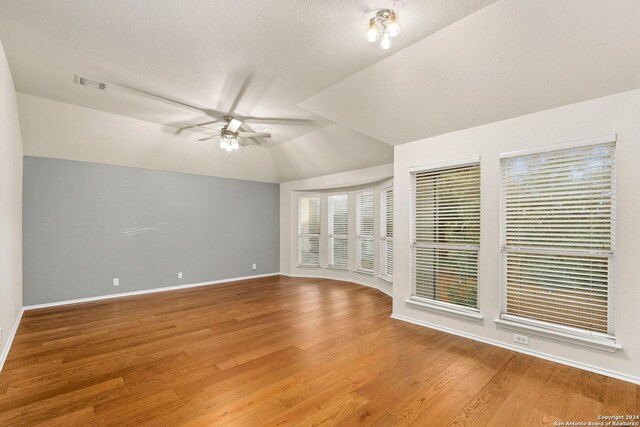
180, 275
521, 339
116, 282
253, 266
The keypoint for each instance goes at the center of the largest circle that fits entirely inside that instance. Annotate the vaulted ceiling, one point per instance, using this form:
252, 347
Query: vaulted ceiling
455, 64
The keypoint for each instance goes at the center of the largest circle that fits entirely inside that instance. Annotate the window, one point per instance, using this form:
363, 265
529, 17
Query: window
386, 233
338, 231
445, 235
557, 239
309, 230
364, 231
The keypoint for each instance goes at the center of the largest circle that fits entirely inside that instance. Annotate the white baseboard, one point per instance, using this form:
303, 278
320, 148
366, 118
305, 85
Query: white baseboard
9, 340
357, 282
146, 291
561, 360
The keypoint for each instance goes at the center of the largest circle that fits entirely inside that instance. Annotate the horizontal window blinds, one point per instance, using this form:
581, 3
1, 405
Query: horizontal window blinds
309, 230
386, 233
557, 236
446, 234
338, 230
364, 230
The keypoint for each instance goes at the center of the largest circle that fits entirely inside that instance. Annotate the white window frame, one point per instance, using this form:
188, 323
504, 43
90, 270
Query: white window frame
566, 333
301, 235
360, 237
383, 234
426, 303
331, 237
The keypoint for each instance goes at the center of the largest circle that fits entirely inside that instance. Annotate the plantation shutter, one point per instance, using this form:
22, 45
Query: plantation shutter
309, 230
557, 237
446, 234
364, 230
338, 230
386, 235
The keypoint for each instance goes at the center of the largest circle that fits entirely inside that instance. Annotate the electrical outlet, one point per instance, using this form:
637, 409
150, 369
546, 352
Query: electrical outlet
0, 335
521, 339
180, 275
253, 266
116, 282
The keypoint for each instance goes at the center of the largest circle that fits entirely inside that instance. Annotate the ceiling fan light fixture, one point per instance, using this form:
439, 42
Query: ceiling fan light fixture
229, 142
385, 22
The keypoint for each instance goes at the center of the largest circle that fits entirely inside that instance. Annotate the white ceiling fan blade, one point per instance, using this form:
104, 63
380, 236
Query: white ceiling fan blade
202, 127
168, 99
286, 120
234, 125
254, 135
194, 125
207, 138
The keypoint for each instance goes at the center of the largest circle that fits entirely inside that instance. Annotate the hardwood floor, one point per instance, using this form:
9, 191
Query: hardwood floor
276, 351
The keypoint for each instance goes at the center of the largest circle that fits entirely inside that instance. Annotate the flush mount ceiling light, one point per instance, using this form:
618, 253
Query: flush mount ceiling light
385, 21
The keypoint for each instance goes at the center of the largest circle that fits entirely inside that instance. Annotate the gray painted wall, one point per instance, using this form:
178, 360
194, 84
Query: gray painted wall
85, 224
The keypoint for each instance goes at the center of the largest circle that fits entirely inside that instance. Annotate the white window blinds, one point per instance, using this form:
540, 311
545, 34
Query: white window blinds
446, 234
338, 230
364, 231
386, 232
557, 238
309, 230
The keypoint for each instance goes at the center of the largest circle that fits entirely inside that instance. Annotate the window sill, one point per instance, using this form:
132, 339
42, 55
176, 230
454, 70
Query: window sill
365, 272
333, 267
386, 279
309, 267
598, 344
443, 309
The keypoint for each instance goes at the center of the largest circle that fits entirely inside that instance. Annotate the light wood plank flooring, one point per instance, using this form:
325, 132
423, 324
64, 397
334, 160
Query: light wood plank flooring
279, 351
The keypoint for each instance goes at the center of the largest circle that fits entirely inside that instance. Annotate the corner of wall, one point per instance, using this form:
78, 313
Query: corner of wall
11, 164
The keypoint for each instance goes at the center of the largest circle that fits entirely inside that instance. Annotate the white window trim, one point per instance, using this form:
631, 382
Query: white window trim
331, 236
562, 146
386, 278
382, 195
445, 308
363, 271
300, 235
433, 305
360, 237
444, 165
573, 337
595, 340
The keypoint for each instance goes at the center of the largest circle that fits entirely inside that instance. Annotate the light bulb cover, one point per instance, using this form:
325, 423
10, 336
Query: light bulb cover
385, 42
393, 26
372, 32
229, 142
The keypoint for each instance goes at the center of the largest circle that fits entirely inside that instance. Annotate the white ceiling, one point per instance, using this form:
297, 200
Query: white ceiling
202, 51
455, 64
511, 58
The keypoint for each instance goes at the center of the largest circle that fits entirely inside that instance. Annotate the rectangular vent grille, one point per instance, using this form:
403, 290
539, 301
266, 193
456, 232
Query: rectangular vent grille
89, 83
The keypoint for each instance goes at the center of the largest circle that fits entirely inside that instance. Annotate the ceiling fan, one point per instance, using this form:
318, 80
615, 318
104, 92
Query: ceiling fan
230, 133
235, 125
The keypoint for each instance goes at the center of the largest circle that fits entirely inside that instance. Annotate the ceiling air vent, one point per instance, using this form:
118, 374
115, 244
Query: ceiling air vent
89, 83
